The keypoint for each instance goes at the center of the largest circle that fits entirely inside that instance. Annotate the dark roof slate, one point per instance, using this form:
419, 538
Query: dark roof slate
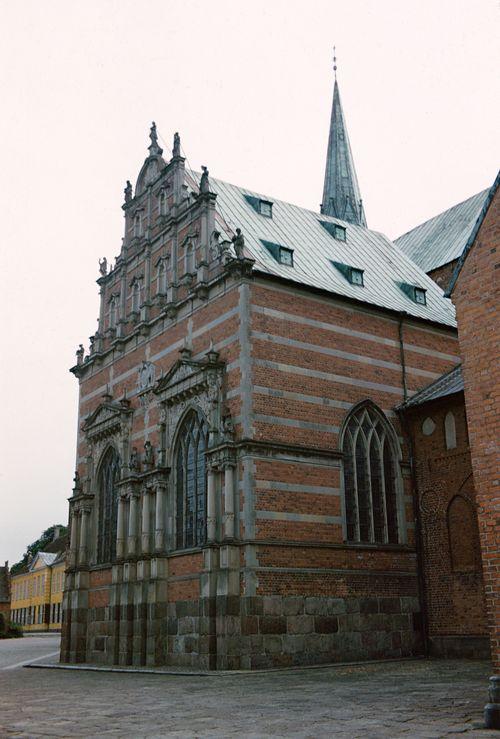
448, 384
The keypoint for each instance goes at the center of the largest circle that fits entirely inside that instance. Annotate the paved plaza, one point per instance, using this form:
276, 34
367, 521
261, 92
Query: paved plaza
424, 698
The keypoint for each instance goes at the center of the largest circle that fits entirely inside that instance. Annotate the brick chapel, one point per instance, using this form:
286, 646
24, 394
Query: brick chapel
252, 425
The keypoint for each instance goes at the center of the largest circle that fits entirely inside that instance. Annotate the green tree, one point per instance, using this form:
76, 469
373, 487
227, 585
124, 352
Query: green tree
37, 546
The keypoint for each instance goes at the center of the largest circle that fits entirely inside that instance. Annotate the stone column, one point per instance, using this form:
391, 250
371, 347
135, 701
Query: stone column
145, 542
120, 529
82, 550
160, 518
120, 329
147, 285
229, 500
211, 510
132, 525
73, 548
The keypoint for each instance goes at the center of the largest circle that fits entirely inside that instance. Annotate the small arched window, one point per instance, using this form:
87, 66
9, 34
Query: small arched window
371, 482
162, 277
162, 203
113, 312
109, 476
136, 296
137, 224
450, 431
189, 259
190, 482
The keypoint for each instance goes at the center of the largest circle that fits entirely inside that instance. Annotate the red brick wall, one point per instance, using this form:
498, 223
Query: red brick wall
476, 297
449, 533
442, 275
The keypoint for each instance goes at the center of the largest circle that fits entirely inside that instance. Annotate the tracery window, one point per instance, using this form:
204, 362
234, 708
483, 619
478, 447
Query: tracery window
190, 482
108, 506
371, 482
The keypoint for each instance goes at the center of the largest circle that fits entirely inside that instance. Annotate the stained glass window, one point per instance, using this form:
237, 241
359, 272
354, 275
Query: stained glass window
108, 506
190, 482
370, 479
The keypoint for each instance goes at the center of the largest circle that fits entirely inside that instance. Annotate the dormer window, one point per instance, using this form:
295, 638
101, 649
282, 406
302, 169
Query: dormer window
266, 208
415, 293
282, 254
354, 275
137, 225
420, 297
162, 203
338, 232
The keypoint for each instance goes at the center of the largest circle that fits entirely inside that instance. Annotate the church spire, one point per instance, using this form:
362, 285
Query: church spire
341, 195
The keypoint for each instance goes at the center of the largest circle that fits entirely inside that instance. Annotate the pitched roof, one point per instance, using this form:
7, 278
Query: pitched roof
448, 384
385, 266
472, 237
341, 194
46, 557
442, 239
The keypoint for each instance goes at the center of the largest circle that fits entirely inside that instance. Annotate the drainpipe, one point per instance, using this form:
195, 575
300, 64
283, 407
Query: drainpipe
416, 509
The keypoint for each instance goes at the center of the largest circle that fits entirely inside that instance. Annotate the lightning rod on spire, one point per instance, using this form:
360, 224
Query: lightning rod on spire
334, 63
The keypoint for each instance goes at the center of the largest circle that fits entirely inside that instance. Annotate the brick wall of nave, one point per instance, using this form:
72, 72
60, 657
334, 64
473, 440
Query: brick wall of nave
454, 596
476, 298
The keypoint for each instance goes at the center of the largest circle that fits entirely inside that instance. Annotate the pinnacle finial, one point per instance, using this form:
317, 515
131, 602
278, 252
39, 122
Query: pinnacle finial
154, 147
334, 63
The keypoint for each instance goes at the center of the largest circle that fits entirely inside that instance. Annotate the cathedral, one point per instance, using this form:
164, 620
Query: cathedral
245, 493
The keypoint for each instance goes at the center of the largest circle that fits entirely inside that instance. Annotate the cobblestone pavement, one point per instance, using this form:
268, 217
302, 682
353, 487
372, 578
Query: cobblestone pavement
425, 698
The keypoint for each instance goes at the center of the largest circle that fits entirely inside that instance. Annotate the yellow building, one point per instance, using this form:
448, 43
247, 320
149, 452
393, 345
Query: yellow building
36, 595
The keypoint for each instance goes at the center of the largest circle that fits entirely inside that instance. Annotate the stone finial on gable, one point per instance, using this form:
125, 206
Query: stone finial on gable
154, 148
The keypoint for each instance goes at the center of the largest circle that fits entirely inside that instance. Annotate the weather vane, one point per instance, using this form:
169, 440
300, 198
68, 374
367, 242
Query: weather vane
334, 63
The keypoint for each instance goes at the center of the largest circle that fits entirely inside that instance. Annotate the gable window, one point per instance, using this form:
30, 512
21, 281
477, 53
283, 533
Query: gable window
356, 277
162, 203
371, 483
338, 232
190, 482
266, 208
108, 506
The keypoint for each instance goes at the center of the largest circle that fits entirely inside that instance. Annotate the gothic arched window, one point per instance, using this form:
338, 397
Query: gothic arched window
109, 476
191, 482
137, 224
371, 482
189, 259
450, 431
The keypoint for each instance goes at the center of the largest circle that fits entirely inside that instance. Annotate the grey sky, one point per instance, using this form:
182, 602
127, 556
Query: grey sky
249, 87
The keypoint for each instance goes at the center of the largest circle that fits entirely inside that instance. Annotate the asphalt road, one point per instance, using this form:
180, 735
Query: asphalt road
416, 700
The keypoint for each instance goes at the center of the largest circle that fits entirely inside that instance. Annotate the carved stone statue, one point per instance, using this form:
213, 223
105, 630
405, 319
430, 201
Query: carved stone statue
146, 375
77, 484
134, 460
103, 266
148, 454
239, 244
204, 184
176, 150
128, 192
79, 354
153, 135
227, 428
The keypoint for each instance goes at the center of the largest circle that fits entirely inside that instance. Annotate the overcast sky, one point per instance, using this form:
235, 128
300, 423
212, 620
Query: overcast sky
248, 85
